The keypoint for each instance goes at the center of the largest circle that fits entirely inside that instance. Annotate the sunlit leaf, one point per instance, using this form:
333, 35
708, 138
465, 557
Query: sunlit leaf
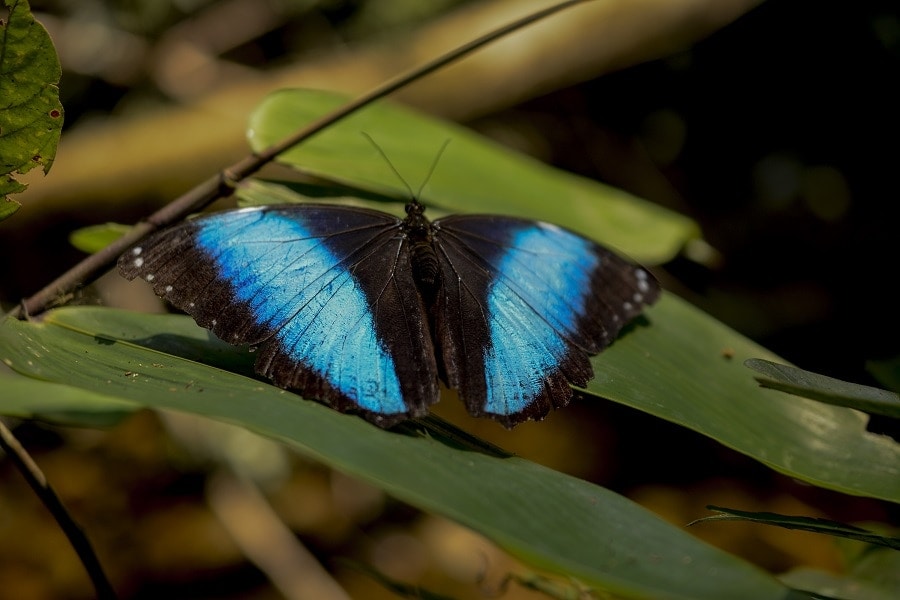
474, 174
687, 368
96, 237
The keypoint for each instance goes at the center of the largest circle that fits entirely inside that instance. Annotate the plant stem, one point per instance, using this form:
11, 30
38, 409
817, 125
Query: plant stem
38, 482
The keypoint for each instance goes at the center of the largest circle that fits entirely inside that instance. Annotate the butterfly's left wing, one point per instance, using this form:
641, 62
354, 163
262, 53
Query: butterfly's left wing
522, 306
326, 293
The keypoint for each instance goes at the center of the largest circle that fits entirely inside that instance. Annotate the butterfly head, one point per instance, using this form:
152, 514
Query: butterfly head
416, 221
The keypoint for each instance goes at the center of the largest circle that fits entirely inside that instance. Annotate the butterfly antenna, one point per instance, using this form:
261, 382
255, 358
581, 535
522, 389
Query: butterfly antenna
413, 196
391, 165
433, 166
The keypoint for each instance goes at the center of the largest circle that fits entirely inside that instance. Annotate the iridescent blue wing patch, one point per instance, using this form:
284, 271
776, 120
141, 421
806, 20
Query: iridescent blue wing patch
522, 306
325, 293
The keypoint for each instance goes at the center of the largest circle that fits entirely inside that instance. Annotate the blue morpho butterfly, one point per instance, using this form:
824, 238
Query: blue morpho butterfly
366, 311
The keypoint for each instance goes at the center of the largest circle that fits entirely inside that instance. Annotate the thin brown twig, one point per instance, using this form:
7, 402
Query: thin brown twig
221, 185
38, 482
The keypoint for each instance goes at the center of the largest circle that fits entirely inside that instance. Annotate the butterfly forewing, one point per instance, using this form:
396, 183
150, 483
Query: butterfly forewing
326, 292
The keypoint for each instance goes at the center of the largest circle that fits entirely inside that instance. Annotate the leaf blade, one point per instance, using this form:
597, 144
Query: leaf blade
549, 519
496, 179
687, 368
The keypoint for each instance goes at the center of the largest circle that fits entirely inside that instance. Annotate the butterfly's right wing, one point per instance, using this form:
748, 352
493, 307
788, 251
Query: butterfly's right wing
523, 304
325, 292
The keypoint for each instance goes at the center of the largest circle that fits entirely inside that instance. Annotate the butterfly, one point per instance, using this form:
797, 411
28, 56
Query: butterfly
366, 311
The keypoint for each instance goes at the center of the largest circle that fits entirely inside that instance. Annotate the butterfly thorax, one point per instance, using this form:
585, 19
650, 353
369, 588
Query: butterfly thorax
422, 256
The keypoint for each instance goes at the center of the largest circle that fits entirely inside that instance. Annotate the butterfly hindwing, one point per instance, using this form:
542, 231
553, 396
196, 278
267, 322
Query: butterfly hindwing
325, 292
523, 304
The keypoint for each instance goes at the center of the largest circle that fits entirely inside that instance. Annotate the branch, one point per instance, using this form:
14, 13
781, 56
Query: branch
38, 482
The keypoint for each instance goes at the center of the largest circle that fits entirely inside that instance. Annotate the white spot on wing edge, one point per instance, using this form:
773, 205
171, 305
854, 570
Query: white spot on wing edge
149, 276
550, 227
642, 281
137, 250
139, 262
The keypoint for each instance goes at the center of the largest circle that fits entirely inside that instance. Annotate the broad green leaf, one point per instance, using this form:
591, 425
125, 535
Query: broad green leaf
825, 389
813, 524
687, 368
672, 366
31, 115
58, 403
551, 521
257, 192
474, 174
96, 237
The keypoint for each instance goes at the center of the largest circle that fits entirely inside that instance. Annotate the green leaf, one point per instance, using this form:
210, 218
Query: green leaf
31, 115
825, 389
687, 368
258, 192
61, 404
815, 525
550, 520
474, 174
96, 237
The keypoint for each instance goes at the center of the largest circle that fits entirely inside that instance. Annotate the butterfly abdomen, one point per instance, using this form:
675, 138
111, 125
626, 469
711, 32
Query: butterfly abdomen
426, 268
